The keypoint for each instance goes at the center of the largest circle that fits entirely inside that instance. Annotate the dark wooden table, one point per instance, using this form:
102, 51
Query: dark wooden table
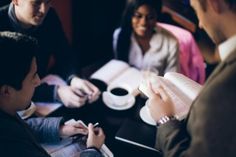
110, 120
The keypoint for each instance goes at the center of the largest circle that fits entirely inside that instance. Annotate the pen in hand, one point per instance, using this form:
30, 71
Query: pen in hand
95, 125
84, 125
79, 123
104, 149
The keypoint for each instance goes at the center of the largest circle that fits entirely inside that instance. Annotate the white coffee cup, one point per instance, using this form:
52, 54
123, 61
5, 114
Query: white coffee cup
119, 95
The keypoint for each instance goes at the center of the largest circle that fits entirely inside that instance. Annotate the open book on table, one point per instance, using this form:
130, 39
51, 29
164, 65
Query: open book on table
117, 73
72, 146
180, 88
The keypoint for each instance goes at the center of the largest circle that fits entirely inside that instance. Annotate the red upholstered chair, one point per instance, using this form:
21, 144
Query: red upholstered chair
191, 61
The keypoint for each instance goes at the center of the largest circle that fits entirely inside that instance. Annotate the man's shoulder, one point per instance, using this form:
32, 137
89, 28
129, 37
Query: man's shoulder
8, 126
4, 10
4, 18
52, 14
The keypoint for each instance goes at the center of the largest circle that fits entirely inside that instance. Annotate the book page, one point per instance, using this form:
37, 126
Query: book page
110, 71
130, 79
181, 102
188, 86
181, 90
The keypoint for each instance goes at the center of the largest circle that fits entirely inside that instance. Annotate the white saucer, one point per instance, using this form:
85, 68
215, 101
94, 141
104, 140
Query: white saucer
110, 104
145, 117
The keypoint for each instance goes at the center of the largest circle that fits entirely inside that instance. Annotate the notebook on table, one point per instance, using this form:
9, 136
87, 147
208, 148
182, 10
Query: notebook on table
137, 133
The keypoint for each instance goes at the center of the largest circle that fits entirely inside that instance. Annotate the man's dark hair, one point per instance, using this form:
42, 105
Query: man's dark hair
123, 43
16, 54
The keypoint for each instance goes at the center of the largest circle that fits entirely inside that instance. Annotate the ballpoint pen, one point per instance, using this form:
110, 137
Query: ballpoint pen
95, 125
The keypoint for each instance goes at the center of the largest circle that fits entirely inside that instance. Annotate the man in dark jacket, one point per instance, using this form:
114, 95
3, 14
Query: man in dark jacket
17, 84
36, 18
209, 129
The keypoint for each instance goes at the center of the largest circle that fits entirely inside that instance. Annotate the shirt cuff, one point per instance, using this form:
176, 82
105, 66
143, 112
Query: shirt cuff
95, 148
90, 152
68, 81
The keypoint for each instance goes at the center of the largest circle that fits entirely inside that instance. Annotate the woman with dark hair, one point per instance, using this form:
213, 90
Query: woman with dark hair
141, 43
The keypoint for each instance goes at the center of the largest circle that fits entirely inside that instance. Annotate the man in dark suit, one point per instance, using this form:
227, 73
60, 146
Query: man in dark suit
18, 80
38, 19
210, 127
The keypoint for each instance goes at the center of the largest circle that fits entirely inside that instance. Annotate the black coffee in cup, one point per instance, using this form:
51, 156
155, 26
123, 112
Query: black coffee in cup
119, 91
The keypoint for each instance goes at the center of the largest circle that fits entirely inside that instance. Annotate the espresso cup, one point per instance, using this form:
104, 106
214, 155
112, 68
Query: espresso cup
119, 96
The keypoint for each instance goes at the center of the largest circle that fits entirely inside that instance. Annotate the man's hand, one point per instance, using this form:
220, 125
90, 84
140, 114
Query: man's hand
160, 103
88, 89
69, 98
96, 137
72, 129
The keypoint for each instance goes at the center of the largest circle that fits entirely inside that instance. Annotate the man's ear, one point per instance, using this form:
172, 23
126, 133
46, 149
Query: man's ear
5, 90
15, 2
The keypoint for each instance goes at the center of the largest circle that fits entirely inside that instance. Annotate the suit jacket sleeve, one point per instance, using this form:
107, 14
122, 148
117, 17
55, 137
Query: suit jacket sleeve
172, 138
45, 93
90, 153
45, 129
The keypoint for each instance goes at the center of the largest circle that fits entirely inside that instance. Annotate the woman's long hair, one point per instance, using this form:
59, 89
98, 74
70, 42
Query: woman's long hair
124, 37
